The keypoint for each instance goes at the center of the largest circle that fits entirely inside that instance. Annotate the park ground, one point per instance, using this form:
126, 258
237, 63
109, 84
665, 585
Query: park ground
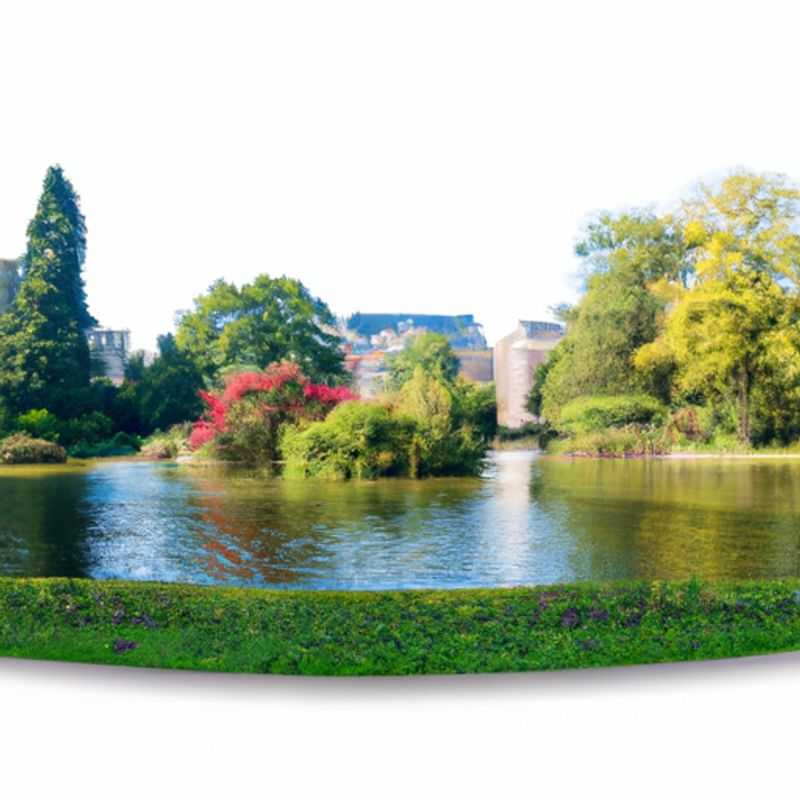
394, 633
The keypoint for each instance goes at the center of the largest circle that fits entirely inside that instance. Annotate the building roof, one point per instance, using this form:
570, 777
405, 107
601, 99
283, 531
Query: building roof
371, 324
534, 328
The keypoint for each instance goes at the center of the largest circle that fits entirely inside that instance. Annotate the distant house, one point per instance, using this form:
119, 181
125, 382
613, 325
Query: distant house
516, 356
111, 348
461, 330
370, 338
369, 372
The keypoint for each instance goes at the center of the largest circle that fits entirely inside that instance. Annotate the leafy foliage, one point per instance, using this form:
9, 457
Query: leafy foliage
733, 335
698, 309
588, 414
446, 440
623, 256
244, 422
356, 440
40, 424
22, 449
430, 352
267, 321
44, 354
394, 633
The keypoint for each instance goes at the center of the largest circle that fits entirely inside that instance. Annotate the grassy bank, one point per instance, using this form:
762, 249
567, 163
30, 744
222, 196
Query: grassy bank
388, 633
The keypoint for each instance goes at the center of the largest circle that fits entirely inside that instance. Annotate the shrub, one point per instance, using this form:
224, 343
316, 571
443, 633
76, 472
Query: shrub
446, 442
615, 443
168, 444
39, 423
356, 440
476, 405
92, 428
589, 413
245, 421
543, 432
121, 444
22, 449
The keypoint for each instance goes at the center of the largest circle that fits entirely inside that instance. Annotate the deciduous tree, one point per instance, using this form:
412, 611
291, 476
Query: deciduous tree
268, 320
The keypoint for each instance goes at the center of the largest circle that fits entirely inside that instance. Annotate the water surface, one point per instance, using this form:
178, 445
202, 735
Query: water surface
528, 520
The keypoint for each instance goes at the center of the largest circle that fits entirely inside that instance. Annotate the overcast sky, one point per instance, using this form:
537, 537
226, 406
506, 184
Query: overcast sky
410, 156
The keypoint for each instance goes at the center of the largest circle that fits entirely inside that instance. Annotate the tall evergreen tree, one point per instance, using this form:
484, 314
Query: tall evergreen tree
44, 353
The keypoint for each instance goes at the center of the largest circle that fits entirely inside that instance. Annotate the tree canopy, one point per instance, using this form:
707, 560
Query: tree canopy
268, 320
431, 352
698, 307
735, 331
623, 256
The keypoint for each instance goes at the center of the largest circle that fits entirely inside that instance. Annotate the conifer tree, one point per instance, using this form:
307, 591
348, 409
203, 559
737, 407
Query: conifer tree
44, 353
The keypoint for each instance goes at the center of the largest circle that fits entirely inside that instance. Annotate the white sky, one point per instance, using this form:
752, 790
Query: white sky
422, 157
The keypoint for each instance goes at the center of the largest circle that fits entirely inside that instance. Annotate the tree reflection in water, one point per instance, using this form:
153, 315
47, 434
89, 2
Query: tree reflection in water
528, 520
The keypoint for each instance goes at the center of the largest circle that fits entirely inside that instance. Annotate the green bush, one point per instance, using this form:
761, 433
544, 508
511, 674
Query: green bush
587, 414
40, 424
121, 444
168, 444
632, 440
447, 441
476, 405
92, 428
356, 440
22, 449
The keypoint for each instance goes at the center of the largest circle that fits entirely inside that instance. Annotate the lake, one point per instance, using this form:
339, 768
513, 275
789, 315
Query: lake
529, 520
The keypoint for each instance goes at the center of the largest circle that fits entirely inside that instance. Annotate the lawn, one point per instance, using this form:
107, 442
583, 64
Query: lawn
394, 633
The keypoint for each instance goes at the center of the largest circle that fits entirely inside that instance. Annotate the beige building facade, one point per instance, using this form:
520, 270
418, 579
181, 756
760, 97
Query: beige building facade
516, 356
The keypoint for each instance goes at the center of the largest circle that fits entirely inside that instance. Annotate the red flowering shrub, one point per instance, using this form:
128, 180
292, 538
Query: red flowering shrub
243, 421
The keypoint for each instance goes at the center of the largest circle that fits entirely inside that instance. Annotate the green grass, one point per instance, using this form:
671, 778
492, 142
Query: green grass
394, 633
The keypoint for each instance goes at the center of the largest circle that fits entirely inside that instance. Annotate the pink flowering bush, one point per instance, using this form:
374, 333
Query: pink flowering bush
243, 422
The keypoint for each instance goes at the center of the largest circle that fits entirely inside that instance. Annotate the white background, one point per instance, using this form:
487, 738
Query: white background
724, 729
414, 156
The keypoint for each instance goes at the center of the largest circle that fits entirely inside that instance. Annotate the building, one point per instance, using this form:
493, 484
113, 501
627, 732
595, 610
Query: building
476, 365
516, 356
9, 282
391, 331
369, 372
371, 338
111, 348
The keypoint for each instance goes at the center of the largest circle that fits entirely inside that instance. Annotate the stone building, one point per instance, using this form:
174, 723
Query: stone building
9, 282
111, 348
369, 339
476, 365
516, 356
367, 332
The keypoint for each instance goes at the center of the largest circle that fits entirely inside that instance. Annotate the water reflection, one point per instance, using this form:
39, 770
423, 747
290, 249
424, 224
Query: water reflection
529, 520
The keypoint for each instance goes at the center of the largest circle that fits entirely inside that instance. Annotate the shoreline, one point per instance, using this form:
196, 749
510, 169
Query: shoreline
673, 456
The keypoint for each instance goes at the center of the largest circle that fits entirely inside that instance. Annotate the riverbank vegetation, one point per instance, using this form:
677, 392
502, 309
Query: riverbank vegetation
21, 449
394, 633
697, 310
432, 423
250, 375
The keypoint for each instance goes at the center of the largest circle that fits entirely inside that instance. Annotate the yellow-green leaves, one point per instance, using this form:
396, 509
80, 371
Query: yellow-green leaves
748, 222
